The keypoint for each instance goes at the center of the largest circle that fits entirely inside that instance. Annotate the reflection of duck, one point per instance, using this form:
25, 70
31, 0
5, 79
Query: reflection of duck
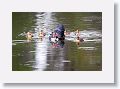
29, 36
58, 44
77, 33
61, 43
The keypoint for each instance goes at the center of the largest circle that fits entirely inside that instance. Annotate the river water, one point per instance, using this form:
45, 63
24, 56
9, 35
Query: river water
42, 55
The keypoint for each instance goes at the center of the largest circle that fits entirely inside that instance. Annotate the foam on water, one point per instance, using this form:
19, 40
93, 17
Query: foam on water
90, 34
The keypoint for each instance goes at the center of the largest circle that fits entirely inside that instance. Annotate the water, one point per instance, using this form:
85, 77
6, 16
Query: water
42, 55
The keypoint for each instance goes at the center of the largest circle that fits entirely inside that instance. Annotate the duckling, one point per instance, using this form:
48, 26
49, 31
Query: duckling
66, 33
78, 40
29, 36
41, 34
77, 33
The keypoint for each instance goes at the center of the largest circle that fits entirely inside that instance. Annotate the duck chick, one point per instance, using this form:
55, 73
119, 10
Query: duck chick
29, 36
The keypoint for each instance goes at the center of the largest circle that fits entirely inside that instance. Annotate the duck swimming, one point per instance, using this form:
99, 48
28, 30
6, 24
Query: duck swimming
78, 40
58, 33
41, 34
29, 36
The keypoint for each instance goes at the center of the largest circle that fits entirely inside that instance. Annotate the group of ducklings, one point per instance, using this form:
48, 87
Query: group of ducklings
29, 35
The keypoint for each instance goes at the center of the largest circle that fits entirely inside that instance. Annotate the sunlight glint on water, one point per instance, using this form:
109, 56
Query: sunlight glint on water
41, 47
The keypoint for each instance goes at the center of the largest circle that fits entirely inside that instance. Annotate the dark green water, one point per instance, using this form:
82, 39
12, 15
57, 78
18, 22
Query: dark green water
41, 55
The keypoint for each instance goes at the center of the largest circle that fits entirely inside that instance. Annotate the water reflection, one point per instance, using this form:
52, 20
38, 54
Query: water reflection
58, 44
41, 54
43, 22
56, 56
